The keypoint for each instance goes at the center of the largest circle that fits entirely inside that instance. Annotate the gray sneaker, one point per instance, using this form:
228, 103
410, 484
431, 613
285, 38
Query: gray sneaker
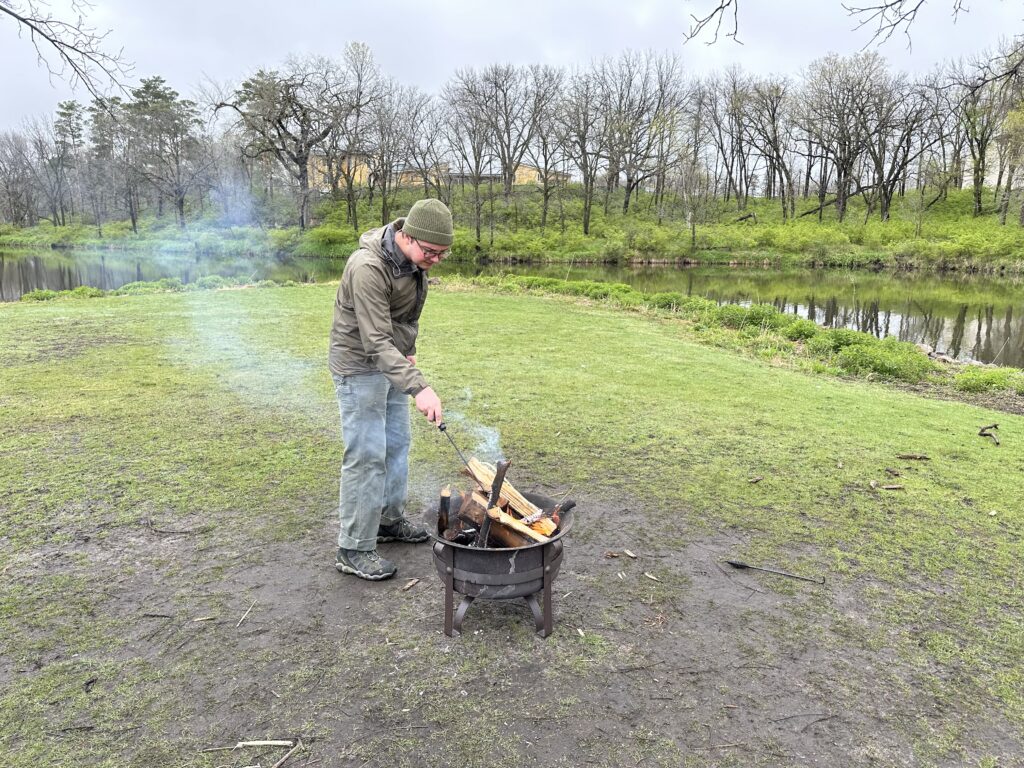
402, 529
365, 565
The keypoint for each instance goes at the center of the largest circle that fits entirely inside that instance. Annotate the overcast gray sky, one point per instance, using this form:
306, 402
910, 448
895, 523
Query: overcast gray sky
422, 42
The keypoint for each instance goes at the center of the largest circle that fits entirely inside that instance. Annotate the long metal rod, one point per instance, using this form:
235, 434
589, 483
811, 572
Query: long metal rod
444, 430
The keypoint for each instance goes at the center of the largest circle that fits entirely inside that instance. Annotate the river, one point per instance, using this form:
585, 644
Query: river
965, 316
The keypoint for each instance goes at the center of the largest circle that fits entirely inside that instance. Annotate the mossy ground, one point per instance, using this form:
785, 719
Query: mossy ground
170, 461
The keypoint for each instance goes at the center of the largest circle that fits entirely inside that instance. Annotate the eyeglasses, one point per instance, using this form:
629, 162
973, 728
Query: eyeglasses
430, 253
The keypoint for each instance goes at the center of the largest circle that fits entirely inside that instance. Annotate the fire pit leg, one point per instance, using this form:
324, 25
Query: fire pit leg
538, 619
461, 613
549, 555
448, 557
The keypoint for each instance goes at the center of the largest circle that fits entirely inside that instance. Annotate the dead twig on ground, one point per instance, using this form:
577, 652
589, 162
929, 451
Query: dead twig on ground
814, 722
292, 751
263, 743
245, 615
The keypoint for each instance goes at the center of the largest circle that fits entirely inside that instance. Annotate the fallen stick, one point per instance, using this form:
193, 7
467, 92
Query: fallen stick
243, 744
246, 614
292, 751
742, 566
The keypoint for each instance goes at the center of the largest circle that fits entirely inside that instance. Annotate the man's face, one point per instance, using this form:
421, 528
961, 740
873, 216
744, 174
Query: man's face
423, 254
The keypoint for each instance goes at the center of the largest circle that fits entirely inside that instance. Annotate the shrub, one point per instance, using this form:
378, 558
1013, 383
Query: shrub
801, 329
975, 378
211, 282
835, 339
39, 295
732, 315
757, 316
284, 240
672, 301
87, 292
890, 358
266, 284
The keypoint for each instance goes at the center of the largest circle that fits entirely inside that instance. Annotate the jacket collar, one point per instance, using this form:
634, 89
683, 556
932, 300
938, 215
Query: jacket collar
393, 256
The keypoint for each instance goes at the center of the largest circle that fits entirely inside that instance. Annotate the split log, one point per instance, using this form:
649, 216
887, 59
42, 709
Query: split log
534, 531
484, 476
504, 518
472, 512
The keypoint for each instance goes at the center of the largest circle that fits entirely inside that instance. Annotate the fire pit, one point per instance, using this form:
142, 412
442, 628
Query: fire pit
499, 573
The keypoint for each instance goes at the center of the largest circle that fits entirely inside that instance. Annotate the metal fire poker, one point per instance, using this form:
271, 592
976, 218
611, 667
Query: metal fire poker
444, 429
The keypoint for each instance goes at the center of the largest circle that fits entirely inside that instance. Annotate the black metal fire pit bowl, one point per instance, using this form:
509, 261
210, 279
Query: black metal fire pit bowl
499, 573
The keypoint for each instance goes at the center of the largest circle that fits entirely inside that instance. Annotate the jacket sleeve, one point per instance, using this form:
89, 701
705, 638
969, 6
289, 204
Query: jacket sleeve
373, 315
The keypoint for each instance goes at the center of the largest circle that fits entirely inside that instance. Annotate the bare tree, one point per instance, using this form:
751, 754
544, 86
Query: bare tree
429, 152
391, 113
469, 132
982, 107
581, 124
289, 115
510, 103
348, 144
545, 151
770, 129
837, 91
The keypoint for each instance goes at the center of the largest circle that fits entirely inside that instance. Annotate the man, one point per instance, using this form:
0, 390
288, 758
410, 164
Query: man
373, 363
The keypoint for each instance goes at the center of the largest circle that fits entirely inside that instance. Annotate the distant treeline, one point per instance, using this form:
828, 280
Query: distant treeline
269, 150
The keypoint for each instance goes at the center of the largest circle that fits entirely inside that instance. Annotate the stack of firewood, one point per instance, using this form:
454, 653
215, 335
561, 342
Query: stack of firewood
511, 520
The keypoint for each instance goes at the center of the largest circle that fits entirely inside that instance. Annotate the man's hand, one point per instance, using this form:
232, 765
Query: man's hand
411, 359
429, 404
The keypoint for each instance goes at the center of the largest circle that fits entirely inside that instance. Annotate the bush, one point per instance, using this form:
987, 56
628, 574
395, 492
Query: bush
159, 286
974, 378
800, 330
836, 339
39, 295
87, 292
671, 301
211, 283
890, 358
758, 316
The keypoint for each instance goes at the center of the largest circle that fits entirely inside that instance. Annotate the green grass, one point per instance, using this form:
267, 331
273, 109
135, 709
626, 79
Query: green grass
212, 412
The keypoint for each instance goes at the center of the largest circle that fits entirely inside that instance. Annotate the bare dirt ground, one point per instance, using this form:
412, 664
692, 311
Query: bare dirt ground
671, 658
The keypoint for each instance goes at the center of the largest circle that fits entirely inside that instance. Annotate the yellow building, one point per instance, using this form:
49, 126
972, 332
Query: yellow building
357, 163
531, 174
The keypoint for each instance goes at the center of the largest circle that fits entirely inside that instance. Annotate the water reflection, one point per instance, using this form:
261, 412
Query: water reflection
966, 317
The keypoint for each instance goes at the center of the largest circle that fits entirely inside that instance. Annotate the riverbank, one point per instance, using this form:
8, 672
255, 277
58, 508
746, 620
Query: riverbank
183, 597
948, 238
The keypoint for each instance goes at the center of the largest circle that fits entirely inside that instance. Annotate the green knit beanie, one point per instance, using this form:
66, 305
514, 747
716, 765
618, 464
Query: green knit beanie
431, 221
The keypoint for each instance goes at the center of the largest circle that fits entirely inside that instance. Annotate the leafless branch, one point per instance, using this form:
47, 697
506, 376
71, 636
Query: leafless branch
79, 48
715, 17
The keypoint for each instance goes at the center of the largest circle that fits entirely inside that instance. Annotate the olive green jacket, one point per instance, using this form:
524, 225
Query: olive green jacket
377, 312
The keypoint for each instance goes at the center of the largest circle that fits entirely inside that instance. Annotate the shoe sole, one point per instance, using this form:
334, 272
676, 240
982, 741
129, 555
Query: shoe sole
363, 574
406, 540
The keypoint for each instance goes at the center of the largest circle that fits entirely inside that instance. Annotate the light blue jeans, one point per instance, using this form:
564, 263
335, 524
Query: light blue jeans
375, 467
